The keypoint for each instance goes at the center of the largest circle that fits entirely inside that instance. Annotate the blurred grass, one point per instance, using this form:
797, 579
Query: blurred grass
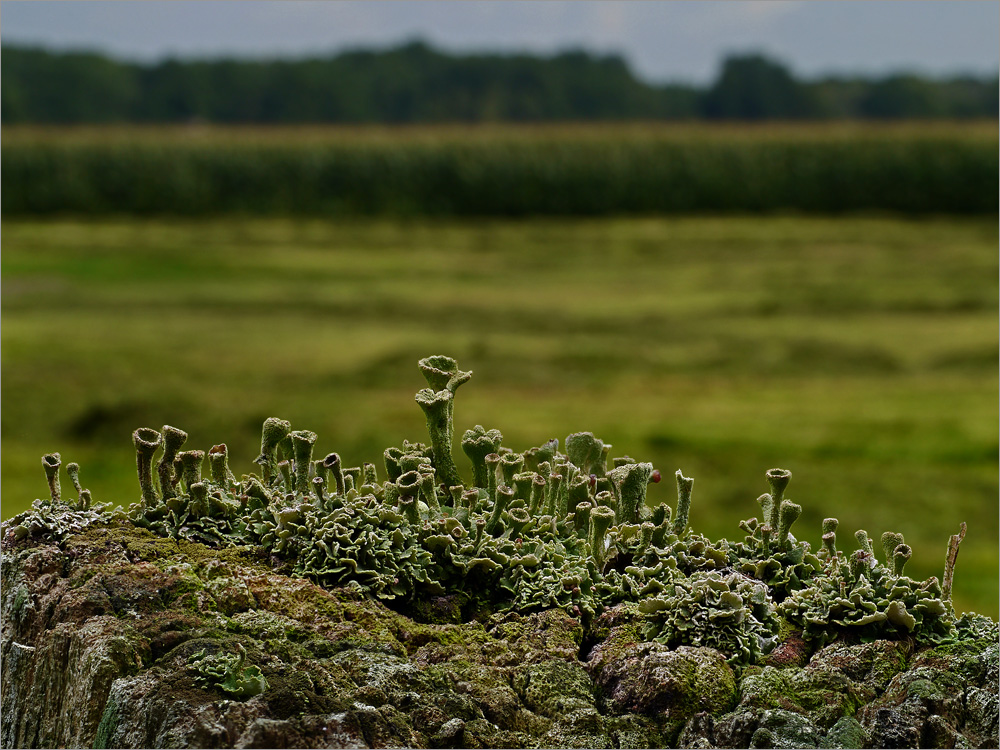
860, 353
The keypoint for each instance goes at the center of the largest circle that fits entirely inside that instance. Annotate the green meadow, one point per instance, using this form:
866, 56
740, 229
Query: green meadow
860, 353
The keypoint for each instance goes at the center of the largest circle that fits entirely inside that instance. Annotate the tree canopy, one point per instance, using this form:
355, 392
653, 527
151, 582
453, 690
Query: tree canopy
414, 83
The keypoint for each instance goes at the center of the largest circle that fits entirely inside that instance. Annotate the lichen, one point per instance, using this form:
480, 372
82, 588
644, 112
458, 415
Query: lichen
226, 672
530, 531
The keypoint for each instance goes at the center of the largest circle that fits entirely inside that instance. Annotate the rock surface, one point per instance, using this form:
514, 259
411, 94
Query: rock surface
99, 632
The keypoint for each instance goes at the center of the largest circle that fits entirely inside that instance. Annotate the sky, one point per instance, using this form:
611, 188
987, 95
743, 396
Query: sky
663, 41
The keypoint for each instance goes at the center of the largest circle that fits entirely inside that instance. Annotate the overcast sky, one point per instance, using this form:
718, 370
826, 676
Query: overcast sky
662, 41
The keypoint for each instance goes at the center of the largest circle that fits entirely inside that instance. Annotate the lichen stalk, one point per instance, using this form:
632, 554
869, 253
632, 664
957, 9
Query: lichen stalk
218, 463
585, 451
788, 514
630, 482
522, 486
552, 495
437, 408
318, 484
581, 518
950, 560
518, 518
765, 502
601, 468
198, 503
332, 464
173, 441
492, 461
577, 491
503, 497
272, 433
73, 471
538, 485
390, 457
601, 519
471, 500
428, 492
900, 556
861, 562
778, 480
477, 444
408, 506
442, 373
302, 448
765, 538
146, 442
890, 540
190, 462
51, 463
830, 544
684, 486
605, 498
285, 472
864, 542
408, 485
369, 475
510, 465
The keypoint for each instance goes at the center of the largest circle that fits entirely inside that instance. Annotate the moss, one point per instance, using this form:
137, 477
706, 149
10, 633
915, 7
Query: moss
582, 728
20, 599
766, 688
822, 694
618, 630
634, 731
483, 733
785, 729
108, 724
438, 610
514, 679
555, 688
870, 666
845, 733
292, 693
538, 636
676, 684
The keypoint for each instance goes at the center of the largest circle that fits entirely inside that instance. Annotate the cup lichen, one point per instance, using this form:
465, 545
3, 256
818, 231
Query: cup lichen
533, 530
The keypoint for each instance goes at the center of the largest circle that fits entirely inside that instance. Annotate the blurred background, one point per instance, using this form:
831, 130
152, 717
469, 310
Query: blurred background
723, 236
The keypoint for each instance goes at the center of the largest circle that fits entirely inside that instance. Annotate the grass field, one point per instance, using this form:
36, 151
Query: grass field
860, 353
213, 135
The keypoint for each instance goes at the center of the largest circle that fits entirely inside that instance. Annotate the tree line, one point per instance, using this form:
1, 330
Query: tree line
414, 83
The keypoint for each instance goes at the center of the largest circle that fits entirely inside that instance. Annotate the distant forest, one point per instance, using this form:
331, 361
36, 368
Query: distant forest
416, 84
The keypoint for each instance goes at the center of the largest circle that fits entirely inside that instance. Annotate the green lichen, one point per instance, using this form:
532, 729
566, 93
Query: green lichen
869, 599
730, 613
532, 531
226, 672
